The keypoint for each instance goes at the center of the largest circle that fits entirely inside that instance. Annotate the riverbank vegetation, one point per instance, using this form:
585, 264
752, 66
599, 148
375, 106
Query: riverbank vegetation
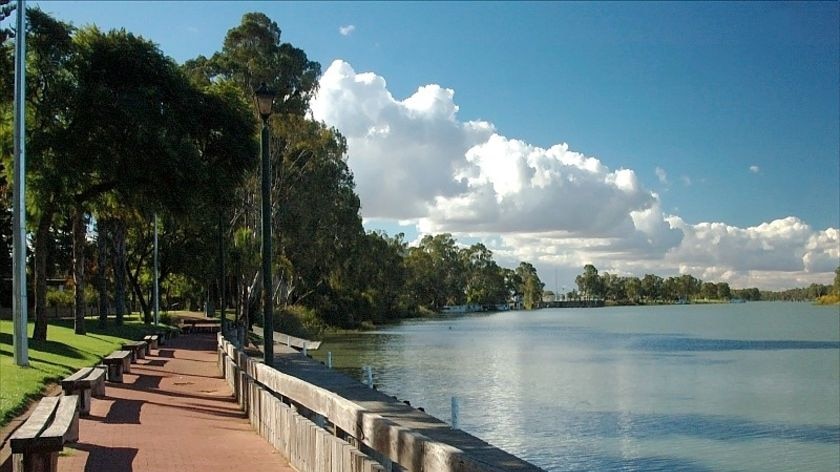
121, 138
653, 289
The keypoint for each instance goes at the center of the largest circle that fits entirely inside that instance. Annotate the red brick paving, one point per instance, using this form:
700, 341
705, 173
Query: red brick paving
172, 413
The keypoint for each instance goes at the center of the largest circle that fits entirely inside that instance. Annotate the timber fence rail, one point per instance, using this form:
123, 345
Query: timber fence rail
319, 430
307, 446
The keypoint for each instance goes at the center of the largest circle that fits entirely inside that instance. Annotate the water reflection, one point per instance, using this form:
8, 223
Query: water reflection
691, 389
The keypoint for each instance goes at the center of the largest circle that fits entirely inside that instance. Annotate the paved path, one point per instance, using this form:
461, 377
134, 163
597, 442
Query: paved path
174, 412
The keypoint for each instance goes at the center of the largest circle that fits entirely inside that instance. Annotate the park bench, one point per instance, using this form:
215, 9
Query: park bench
117, 363
137, 349
152, 341
193, 325
36, 444
84, 383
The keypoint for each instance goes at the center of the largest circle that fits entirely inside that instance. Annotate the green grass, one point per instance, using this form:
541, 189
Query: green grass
63, 353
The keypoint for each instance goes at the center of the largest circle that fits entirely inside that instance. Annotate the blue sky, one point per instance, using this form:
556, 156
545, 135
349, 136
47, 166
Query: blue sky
726, 112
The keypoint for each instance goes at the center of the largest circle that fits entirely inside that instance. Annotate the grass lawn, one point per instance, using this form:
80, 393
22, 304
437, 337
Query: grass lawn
63, 353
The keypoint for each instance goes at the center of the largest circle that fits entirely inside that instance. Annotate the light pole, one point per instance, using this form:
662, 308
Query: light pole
19, 302
264, 98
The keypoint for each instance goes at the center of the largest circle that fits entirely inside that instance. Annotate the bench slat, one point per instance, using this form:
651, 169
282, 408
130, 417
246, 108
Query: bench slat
36, 423
80, 374
61, 424
118, 355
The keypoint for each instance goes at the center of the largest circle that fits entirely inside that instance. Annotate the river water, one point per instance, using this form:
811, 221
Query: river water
742, 387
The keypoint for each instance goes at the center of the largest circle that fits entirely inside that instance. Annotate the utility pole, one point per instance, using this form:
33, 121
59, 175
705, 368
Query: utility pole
19, 301
157, 276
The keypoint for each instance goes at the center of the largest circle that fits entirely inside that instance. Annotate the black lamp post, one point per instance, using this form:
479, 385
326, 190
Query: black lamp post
264, 98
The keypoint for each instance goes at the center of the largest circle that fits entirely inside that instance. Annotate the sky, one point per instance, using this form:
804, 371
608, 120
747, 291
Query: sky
663, 138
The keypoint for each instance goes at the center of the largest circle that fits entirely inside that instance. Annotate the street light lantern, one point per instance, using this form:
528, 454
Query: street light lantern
264, 98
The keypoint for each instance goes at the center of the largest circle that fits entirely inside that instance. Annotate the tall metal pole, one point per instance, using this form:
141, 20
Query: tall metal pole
157, 276
223, 315
19, 302
268, 318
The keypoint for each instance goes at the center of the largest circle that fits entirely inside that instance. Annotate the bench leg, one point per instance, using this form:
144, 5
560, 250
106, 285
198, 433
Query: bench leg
127, 365
99, 388
140, 353
35, 462
115, 373
84, 399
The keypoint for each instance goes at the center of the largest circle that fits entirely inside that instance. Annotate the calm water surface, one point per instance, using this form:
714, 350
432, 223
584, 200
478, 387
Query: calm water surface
749, 387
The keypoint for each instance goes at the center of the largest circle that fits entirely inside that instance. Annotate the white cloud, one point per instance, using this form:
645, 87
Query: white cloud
403, 153
754, 169
661, 175
416, 162
346, 30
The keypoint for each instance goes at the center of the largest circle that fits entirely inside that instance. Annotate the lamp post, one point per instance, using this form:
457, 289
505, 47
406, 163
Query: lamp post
264, 98
19, 302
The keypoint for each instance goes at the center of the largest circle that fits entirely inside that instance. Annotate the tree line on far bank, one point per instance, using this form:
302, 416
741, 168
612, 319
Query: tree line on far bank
120, 136
655, 289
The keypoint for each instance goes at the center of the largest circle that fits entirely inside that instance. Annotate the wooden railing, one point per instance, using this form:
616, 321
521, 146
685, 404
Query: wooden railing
307, 446
318, 429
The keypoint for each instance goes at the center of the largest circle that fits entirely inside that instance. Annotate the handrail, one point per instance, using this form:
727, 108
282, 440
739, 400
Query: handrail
389, 441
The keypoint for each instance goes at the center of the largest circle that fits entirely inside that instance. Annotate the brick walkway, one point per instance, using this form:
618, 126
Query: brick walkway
174, 412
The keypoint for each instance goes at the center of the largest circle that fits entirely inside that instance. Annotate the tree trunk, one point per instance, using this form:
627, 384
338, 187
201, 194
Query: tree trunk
118, 228
211, 301
79, 270
102, 267
42, 237
138, 294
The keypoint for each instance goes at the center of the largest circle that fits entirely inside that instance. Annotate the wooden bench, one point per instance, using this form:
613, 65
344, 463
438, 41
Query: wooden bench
152, 341
117, 362
36, 444
137, 349
84, 383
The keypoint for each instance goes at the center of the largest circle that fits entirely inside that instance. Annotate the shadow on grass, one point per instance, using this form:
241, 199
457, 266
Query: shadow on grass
52, 347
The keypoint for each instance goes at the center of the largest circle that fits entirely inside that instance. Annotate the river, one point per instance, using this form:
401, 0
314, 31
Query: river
741, 387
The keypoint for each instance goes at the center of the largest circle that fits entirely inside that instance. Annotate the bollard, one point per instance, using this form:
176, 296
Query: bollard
455, 413
368, 375
329, 360
304, 350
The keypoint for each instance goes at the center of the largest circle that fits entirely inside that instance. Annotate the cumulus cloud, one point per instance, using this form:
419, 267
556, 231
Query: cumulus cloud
346, 30
403, 153
415, 161
514, 187
754, 169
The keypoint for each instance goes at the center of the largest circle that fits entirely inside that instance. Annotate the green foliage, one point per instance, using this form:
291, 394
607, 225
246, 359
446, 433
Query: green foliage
300, 321
654, 289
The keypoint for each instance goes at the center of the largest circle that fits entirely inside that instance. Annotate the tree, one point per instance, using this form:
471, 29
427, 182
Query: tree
633, 288
532, 287
836, 287
485, 282
253, 53
589, 283
723, 291
652, 287
50, 83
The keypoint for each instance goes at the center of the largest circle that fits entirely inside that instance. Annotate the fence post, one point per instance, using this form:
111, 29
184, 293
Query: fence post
455, 412
368, 372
